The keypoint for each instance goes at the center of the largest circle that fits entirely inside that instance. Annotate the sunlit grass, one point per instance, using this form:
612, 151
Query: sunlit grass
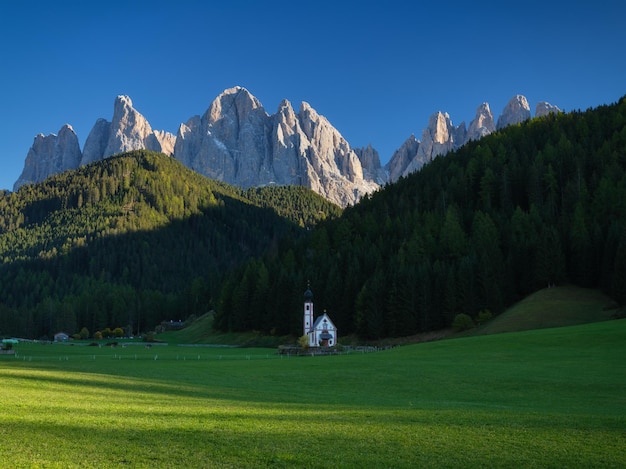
550, 398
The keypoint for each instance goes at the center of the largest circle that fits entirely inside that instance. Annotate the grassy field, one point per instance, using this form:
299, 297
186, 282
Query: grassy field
546, 398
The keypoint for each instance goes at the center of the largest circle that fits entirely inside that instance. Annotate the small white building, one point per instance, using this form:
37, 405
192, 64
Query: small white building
321, 331
61, 337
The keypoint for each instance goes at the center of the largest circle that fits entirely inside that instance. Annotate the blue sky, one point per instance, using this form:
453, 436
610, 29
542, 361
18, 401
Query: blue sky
375, 70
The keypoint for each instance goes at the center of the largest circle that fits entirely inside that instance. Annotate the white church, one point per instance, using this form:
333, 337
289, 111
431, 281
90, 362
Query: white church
321, 331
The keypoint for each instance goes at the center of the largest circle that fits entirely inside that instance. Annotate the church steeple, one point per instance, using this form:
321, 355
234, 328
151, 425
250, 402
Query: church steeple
308, 294
308, 311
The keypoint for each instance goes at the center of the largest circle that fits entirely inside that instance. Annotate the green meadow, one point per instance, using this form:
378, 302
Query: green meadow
543, 398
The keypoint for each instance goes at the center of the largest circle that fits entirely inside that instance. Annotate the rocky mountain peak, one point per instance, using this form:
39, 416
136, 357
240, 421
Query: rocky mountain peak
440, 137
482, 124
129, 129
234, 104
516, 110
285, 124
96, 142
402, 158
122, 103
50, 154
438, 126
543, 109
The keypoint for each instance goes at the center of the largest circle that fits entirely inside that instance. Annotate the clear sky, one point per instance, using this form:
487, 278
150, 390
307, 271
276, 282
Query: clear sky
375, 70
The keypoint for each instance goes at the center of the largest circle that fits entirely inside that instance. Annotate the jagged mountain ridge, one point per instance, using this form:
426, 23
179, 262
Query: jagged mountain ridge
238, 142
441, 136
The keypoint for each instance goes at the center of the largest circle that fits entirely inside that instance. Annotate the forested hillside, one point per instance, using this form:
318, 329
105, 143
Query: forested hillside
132, 240
138, 238
532, 205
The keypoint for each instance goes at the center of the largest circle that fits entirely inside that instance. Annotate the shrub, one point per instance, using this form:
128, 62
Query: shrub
483, 316
303, 341
462, 322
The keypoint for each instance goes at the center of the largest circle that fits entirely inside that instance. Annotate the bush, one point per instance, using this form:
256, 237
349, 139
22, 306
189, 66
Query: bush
462, 322
303, 342
483, 316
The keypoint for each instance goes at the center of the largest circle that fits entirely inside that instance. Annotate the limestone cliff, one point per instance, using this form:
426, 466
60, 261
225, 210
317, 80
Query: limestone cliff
128, 130
516, 110
238, 142
50, 154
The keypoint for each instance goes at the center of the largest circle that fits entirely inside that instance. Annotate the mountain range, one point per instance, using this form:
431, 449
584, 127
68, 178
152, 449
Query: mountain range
237, 141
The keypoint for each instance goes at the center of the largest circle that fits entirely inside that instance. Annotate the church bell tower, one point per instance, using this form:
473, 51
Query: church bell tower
308, 313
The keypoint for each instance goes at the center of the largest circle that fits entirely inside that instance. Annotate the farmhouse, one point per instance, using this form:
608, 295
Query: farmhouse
321, 331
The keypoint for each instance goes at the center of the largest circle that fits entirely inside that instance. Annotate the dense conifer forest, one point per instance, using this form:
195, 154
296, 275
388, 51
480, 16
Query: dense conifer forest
133, 240
138, 238
537, 204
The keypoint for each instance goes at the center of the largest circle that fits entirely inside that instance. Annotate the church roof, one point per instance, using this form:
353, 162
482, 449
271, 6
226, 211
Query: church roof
308, 295
321, 319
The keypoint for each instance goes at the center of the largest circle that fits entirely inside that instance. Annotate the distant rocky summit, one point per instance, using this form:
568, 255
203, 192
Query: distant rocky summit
238, 142
128, 130
482, 124
50, 154
441, 136
543, 109
516, 110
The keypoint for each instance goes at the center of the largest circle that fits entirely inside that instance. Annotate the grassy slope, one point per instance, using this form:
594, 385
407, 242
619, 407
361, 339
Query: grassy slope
553, 307
545, 398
